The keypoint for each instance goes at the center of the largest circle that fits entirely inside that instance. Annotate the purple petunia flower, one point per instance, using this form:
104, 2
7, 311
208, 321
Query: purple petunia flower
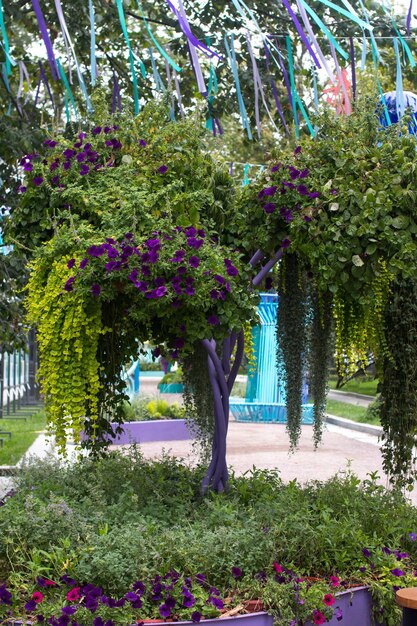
69, 284
107, 130
236, 572
304, 173
69, 153
190, 291
163, 169
313, 194
84, 169
160, 292
412, 536
294, 173
302, 190
232, 270
190, 231
95, 251
31, 605
37, 181
164, 610
275, 168
55, 180
214, 294
397, 572
285, 243
28, 167
270, 191
21, 189
366, 553
194, 261
216, 602
213, 320
297, 150
307, 218
142, 143
98, 621
96, 289
5, 595
270, 207
219, 279
189, 600
81, 157
69, 610
96, 130
70, 263
196, 617
131, 596
195, 243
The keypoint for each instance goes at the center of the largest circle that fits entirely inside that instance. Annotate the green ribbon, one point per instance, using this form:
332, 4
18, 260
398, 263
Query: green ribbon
160, 48
294, 95
68, 89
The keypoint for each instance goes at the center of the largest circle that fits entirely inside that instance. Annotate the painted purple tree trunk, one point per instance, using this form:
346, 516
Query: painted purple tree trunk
222, 377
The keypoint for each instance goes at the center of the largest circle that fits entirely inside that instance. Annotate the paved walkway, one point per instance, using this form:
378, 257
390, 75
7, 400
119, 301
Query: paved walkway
350, 398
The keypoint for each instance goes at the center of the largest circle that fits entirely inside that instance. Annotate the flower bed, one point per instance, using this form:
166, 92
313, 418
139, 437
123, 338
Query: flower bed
109, 521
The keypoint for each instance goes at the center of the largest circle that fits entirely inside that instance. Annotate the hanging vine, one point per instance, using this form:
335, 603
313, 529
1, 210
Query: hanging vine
69, 328
292, 340
320, 353
198, 398
398, 411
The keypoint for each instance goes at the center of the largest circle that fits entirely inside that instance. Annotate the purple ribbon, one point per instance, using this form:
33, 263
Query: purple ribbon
116, 99
45, 82
352, 64
286, 81
301, 33
185, 27
258, 89
408, 24
274, 91
46, 39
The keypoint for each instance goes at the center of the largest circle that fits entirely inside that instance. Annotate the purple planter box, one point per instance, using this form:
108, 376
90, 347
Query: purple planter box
252, 619
356, 606
153, 430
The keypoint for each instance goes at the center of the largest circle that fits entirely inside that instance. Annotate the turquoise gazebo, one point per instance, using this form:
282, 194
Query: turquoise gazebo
265, 393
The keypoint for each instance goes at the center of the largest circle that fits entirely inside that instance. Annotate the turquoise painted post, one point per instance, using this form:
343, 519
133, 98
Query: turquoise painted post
265, 392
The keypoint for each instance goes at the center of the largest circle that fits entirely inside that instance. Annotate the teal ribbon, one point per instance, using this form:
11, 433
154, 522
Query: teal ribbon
347, 14
324, 29
230, 51
294, 95
92, 44
158, 46
132, 57
5, 77
67, 88
246, 180
67, 113
9, 60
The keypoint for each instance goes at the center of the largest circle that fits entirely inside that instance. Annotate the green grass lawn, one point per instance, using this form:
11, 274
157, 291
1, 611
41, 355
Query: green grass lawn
24, 434
362, 385
350, 411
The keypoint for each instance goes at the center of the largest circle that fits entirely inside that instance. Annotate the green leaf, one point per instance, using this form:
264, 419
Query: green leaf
357, 261
400, 222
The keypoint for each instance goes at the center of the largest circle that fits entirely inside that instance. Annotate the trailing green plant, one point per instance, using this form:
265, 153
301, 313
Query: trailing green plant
198, 398
320, 351
292, 340
398, 401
